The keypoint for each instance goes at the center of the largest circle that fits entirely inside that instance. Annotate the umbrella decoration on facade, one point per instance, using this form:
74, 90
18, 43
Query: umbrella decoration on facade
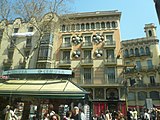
77, 39
98, 53
98, 38
76, 53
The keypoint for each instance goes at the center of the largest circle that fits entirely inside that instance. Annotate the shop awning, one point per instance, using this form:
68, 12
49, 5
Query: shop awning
42, 89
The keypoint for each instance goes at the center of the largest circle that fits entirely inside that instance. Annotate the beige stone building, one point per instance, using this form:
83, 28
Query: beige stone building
89, 44
144, 82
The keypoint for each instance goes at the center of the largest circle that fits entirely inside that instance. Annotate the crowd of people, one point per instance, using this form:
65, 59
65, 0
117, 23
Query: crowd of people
77, 114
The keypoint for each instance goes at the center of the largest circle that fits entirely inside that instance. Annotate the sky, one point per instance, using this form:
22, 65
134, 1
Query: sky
135, 14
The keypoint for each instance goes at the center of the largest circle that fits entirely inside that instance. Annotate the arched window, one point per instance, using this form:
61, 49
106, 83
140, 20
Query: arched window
102, 25
77, 27
154, 95
63, 28
147, 51
142, 51
150, 33
108, 25
113, 24
87, 26
97, 25
142, 95
72, 27
82, 26
92, 26
131, 96
126, 54
136, 52
131, 52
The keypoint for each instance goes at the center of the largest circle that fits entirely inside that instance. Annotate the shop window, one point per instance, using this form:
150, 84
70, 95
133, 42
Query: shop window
92, 26
137, 52
154, 95
131, 96
142, 95
112, 94
102, 25
99, 93
90, 90
108, 25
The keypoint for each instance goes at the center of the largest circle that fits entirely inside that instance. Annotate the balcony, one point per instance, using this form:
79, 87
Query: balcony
86, 62
7, 62
110, 61
11, 47
64, 63
140, 55
154, 85
87, 45
65, 46
110, 44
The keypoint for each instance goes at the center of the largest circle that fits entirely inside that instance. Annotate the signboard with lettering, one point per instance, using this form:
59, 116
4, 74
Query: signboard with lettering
37, 71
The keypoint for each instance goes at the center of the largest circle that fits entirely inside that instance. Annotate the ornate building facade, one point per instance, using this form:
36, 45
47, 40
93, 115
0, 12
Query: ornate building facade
144, 82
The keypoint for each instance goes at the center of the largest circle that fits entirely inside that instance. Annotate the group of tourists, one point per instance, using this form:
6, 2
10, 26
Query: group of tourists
75, 114
146, 114
115, 115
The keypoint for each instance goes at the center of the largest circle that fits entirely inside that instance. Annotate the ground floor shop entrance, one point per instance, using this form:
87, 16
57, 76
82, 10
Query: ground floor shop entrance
99, 107
32, 98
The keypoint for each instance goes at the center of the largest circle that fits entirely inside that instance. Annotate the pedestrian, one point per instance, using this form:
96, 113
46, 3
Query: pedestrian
135, 114
76, 113
10, 114
108, 115
146, 115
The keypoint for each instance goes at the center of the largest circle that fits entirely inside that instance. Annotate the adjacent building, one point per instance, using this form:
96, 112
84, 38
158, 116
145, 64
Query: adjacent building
89, 44
144, 82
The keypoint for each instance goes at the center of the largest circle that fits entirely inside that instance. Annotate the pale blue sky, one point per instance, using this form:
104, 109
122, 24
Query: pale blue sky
135, 14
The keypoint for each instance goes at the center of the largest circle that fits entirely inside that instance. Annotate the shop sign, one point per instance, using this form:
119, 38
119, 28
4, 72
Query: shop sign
37, 71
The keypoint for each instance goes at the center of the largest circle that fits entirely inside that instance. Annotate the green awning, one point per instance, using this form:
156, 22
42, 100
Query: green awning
42, 89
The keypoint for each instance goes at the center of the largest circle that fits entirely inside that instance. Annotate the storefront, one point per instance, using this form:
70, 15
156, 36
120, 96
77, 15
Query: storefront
34, 97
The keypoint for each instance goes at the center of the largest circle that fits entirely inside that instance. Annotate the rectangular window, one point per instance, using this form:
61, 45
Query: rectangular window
109, 37
110, 73
28, 41
30, 29
110, 54
138, 65
87, 54
16, 30
152, 80
87, 75
87, 39
149, 63
66, 55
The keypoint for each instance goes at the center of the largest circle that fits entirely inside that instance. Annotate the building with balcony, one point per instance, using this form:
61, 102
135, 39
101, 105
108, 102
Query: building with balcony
89, 45
144, 82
